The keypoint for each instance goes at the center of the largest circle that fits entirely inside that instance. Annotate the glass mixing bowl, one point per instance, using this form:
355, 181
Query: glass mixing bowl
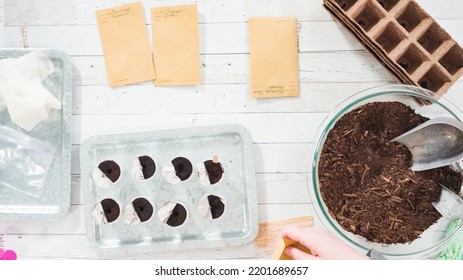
433, 240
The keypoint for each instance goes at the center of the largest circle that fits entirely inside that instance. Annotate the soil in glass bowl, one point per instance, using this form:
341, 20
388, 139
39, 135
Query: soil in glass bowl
366, 181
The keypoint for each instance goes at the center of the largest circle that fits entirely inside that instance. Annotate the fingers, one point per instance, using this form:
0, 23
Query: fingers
292, 233
306, 237
297, 254
321, 243
318, 240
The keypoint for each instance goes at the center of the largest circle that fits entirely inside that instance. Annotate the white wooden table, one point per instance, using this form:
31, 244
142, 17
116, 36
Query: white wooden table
333, 66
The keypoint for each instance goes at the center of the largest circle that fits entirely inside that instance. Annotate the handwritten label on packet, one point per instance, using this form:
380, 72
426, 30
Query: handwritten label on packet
269, 232
176, 45
273, 57
125, 43
169, 12
115, 13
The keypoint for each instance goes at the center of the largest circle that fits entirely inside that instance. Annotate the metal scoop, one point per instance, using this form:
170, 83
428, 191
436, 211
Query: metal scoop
449, 205
435, 143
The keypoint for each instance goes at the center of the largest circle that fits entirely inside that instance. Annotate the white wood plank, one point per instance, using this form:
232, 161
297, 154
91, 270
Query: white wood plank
455, 94
82, 12
231, 98
326, 67
75, 245
213, 38
451, 10
332, 67
269, 158
285, 188
39, 250
285, 127
282, 157
26, 12
221, 38
72, 223
279, 188
312, 10
34, 247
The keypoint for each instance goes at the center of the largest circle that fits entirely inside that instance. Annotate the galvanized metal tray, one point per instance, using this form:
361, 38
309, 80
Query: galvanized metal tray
231, 144
54, 202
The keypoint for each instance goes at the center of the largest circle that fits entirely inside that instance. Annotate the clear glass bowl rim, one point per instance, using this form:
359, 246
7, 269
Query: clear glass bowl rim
328, 123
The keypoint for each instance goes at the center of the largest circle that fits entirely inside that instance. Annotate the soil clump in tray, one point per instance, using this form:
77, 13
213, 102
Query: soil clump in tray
214, 171
366, 181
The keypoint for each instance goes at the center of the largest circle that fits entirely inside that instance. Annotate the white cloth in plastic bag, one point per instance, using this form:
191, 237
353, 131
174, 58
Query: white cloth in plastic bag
27, 100
24, 161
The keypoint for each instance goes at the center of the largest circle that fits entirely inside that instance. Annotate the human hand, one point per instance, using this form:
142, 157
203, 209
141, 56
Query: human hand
322, 244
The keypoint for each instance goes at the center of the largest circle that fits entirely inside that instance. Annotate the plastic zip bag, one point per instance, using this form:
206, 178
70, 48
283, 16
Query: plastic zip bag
24, 161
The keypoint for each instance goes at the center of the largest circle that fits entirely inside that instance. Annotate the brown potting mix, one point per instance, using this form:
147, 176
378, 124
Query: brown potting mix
366, 181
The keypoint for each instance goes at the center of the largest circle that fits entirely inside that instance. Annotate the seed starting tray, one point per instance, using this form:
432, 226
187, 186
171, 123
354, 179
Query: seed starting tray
405, 39
55, 200
169, 190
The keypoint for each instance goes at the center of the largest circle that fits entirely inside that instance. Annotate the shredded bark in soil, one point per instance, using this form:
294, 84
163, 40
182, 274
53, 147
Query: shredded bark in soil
366, 181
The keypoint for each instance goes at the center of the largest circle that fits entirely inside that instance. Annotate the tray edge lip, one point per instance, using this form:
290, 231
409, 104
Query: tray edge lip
242, 131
